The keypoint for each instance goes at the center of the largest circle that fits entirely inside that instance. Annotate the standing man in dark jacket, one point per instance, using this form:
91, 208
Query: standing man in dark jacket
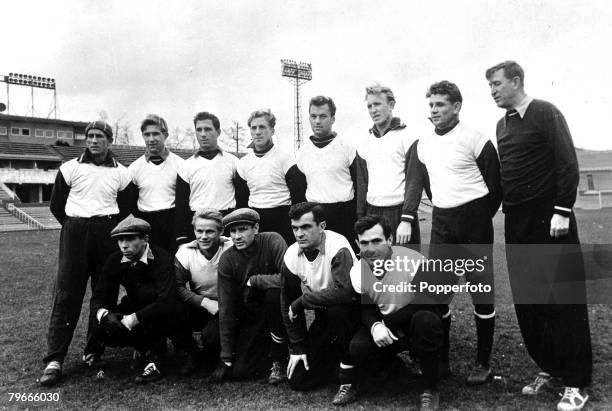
539, 177
250, 324
316, 276
87, 198
146, 314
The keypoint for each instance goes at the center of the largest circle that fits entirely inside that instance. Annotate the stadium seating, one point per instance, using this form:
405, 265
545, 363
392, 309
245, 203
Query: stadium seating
8, 222
42, 214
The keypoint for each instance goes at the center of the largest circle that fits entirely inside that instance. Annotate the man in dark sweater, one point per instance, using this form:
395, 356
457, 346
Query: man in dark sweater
250, 323
146, 314
539, 177
316, 276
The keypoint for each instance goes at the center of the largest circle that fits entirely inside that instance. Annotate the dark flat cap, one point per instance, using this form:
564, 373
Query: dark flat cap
131, 225
241, 215
101, 125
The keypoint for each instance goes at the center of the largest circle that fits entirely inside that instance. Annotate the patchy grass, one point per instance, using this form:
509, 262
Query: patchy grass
28, 262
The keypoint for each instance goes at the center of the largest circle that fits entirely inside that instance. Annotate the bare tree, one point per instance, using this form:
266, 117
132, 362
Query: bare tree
234, 138
173, 139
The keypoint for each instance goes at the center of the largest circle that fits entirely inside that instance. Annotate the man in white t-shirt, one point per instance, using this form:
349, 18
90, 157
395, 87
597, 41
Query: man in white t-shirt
459, 168
207, 179
329, 163
316, 276
196, 285
88, 197
154, 176
382, 156
269, 177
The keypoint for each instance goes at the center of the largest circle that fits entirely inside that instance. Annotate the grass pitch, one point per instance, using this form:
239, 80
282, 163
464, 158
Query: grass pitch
28, 262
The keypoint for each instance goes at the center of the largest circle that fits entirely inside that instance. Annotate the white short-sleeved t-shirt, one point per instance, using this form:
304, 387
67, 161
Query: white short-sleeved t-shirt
265, 177
156, 182
93, 189
327, 171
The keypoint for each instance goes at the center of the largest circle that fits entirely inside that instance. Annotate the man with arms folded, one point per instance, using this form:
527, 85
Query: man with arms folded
250, 324
389, 317
270, 177
88, 195
147, 313
196, 266
329, 163
316, 276
459, 169
207, 179
539, 177
382, 171
154, 177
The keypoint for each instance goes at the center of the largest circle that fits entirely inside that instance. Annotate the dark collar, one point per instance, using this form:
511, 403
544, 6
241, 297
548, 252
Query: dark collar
209, 155
87, 157
443, 131
396, 124
163, 155
264, 151
322, 142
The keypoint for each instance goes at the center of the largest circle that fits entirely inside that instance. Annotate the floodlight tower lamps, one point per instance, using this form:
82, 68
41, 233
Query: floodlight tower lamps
297, 74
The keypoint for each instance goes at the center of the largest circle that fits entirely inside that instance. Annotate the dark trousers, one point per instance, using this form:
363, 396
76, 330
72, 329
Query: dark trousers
254, 347
200, 320
85, 244
462, 233
276, 219
162, 228
556, 334
418, 326
394, 216
341, 217
328, 341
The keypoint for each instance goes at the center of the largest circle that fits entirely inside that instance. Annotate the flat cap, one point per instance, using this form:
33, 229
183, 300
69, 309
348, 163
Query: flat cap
101, 125
131, 225
241, 215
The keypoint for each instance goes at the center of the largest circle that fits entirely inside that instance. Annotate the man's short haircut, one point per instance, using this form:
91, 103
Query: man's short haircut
265, 113
154, 120
376, 88
321, 101
511, 70
445, 88
298, 210
368, 221
205, 115
209, 214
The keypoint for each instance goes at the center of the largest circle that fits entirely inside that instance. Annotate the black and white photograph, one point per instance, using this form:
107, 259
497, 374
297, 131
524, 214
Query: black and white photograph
301, 205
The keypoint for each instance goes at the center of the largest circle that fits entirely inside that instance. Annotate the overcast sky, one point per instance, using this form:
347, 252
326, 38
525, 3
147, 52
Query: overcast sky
131, 58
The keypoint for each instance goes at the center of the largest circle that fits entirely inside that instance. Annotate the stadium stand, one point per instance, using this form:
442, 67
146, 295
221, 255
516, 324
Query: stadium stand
42, 214
8, 222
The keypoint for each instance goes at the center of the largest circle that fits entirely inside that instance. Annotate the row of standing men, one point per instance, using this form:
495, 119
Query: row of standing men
383, 173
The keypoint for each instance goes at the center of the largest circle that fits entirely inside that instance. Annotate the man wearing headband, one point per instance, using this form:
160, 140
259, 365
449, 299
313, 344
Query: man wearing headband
87, 198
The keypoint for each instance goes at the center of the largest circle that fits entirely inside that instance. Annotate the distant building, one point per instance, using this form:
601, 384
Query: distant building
595, 187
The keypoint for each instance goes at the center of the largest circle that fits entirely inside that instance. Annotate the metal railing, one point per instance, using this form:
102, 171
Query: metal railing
25, 218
